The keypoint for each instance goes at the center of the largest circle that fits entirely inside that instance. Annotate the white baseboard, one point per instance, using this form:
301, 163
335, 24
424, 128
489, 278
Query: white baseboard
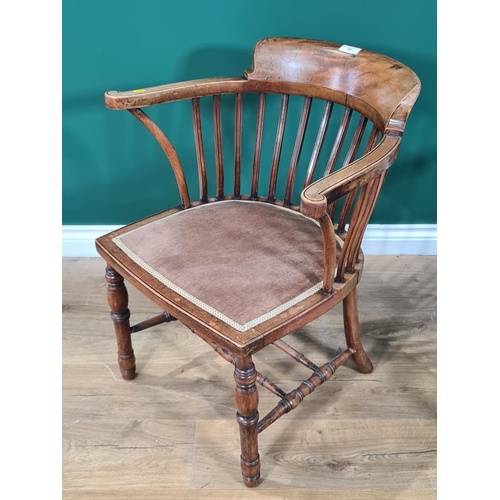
379, 239
400, 239
79, 241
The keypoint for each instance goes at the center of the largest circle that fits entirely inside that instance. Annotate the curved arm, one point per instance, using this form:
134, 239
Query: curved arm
397, 121
315, 198
169, 151
160, 94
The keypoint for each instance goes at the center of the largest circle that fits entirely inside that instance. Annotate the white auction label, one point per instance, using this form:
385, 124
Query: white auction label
349, 50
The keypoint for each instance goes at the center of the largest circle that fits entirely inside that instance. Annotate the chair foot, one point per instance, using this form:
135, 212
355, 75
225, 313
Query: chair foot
351, 327
251, 481
247, 400
124, 362
362, 361
118, 302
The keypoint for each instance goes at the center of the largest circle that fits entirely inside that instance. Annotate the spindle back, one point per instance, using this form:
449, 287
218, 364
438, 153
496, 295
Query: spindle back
331, 109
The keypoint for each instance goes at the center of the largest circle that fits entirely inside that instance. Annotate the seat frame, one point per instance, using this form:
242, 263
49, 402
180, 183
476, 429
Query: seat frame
382, 91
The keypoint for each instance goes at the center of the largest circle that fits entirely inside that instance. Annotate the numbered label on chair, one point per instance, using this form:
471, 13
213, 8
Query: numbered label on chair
348, 49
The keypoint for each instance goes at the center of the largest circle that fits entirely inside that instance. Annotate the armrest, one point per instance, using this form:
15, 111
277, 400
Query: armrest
172, 92
315, 197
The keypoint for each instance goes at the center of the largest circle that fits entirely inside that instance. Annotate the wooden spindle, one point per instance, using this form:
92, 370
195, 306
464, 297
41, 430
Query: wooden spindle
344, 214
168, 150
353, 252
325, 120
219, 163
358, 228
299, 141
356, 215
200, 154
295, 397
334, 155
258, 146
339, 141
237, 145
359, 218
356, 141
351, 154
372, 141
270, 386
298, 356
277, 148
164, 317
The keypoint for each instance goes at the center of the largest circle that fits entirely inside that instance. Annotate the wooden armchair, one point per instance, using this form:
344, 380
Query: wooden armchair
238, 266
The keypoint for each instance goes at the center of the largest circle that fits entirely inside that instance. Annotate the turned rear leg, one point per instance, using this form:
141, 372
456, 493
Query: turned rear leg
118, 302
351, 327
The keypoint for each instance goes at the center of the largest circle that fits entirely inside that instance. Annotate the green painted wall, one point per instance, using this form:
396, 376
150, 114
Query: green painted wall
113, 170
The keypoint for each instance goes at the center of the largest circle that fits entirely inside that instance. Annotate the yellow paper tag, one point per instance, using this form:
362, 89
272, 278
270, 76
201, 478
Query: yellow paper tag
138, 91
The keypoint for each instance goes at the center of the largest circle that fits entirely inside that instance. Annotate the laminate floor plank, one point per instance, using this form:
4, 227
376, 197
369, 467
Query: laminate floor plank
171, 432
322, 453
194, 389
134, 454
239, 494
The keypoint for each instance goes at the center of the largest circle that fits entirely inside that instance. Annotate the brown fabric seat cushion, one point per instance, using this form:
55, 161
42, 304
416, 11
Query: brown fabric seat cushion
244, 262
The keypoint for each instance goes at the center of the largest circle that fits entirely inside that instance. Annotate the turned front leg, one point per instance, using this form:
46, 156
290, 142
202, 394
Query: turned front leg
247, 400
351, 328
118, 302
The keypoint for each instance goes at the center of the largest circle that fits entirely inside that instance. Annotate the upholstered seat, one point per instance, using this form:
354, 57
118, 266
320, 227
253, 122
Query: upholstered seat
238, 266
243, 262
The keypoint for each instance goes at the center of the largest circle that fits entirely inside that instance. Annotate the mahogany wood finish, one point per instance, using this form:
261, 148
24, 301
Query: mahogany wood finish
258, 146
237, 145
200, 153
156, 320
297, 150
351, 327
295, 397
381, 93
120, 314
246, 398
298, 356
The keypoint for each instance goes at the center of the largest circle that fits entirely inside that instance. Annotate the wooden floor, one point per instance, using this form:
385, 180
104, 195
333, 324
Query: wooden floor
171, 432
